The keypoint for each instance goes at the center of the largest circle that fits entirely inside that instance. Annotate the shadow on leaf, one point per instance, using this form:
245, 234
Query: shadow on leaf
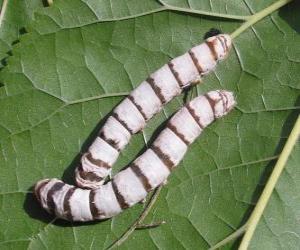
290, 13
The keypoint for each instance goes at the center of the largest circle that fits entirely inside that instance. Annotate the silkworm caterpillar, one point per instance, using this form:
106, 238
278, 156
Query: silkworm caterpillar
147, 172
131, 115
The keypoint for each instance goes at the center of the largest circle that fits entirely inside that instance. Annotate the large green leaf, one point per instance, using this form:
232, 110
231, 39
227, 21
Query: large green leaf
72, 69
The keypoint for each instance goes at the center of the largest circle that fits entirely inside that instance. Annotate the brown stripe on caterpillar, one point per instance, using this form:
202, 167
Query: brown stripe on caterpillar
193, 114
90, 176
224, 100
176, 132
51, 192
212, 104
195, 61
94, 210
226, 45
163, 157
124, 124
211, 47
222, 43
156, 90
121, 200
111, 142
97, 162
37, 190
67, 207
143, 178
175, 74
139, 108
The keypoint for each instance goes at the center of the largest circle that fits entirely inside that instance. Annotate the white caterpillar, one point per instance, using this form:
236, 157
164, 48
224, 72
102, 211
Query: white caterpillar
131, 115
147, 172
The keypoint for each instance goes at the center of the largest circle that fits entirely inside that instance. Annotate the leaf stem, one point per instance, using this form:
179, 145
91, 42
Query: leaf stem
258, 16
92, 98
152, 225
202, 12
230, 237
3, 10
264, 198
137, 222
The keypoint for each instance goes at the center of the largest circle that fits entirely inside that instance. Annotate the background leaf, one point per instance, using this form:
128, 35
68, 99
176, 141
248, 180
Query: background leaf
72, 69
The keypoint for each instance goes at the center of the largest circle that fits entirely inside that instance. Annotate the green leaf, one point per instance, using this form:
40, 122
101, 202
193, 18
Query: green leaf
72, 69
14, 16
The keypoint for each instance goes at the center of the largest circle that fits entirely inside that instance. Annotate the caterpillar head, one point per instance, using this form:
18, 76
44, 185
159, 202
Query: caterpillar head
223, 102
220, 45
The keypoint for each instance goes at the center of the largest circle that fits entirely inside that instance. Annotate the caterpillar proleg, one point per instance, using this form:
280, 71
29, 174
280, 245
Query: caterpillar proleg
131, 115
147, 172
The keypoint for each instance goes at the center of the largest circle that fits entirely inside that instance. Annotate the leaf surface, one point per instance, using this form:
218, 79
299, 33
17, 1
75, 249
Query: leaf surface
15, 15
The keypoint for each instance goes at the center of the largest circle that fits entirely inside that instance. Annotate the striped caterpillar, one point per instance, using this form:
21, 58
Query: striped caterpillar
147, 172
131, 115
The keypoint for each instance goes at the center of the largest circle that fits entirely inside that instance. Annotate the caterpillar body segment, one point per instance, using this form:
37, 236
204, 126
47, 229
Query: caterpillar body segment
131, 115
147, 172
